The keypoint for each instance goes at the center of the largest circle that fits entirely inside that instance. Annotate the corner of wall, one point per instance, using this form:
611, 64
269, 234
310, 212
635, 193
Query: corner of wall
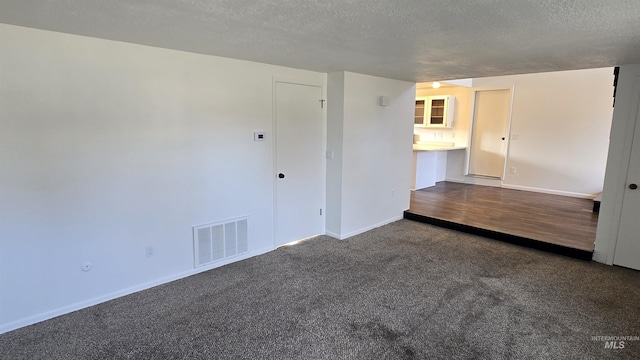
377, 151
335, 130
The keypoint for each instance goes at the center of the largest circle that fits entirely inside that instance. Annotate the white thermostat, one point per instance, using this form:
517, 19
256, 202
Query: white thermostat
259, 136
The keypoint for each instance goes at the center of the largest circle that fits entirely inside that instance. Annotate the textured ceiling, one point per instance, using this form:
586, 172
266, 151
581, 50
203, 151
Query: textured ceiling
414, 40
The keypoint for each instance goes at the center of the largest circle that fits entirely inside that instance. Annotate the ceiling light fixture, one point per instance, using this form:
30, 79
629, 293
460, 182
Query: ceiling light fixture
436, 85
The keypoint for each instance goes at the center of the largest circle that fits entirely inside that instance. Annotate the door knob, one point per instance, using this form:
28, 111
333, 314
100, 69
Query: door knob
281, 176
503, 138
633, 186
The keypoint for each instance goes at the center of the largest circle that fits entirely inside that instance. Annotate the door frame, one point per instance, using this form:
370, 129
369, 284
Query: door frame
625, 115
471, 129
323, 172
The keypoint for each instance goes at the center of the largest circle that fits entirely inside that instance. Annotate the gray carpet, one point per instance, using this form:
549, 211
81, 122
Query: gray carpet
406, 290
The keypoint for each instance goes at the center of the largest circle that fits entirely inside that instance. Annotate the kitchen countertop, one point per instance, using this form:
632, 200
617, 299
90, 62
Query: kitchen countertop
434, 146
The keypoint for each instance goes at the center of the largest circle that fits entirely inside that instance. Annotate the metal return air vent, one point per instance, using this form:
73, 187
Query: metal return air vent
217, 241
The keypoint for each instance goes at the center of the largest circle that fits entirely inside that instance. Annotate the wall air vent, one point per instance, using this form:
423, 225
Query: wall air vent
217, 241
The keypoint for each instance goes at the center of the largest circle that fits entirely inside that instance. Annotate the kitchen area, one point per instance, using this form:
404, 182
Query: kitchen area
540, 156
441, 131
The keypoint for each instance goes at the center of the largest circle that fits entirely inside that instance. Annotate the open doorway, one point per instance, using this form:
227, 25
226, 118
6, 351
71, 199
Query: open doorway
558, 140
489, 132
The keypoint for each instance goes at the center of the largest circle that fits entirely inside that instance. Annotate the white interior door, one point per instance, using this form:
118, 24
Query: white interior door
627, 251
492, 109
299, 162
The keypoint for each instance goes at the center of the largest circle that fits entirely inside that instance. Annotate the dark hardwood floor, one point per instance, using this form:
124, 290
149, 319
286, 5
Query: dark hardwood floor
555, 222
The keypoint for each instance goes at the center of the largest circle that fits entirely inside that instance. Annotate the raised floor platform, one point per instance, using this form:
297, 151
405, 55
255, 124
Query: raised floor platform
558, 224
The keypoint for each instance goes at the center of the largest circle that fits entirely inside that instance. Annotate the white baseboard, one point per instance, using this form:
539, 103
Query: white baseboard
519, 187
130, 290
365, 229
332, 234
476, 181
549, 191
600, 257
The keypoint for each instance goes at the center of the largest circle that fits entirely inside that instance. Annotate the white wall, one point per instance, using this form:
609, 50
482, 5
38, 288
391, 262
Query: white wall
375, 158
562, 122
622, 138
108, 147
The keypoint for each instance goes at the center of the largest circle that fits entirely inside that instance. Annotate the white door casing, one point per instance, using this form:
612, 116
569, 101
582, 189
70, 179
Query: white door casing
491, 114
299, 162
627, 250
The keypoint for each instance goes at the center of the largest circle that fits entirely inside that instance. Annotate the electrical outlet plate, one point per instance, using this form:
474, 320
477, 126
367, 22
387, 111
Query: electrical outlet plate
330, 154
